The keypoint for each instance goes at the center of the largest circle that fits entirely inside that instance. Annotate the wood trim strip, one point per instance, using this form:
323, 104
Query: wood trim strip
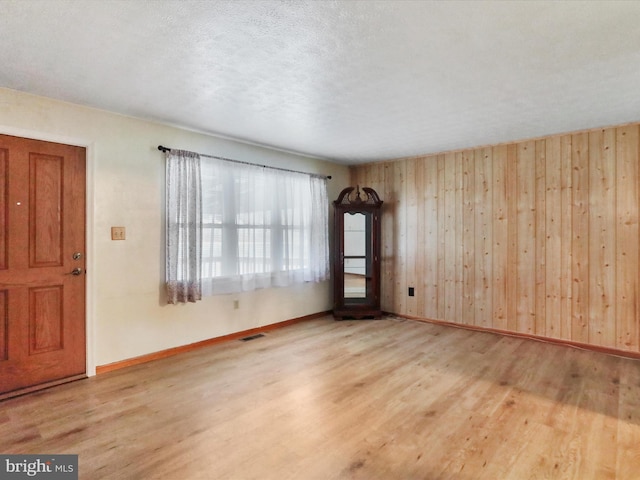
204, 343
526, 336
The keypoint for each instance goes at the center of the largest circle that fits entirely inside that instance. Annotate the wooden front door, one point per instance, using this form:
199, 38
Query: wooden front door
42, 264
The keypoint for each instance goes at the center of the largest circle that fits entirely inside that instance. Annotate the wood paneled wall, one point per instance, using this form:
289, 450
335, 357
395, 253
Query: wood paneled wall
539, 237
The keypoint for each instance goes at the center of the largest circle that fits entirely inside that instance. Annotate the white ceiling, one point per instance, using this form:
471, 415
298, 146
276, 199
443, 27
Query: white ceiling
352, 81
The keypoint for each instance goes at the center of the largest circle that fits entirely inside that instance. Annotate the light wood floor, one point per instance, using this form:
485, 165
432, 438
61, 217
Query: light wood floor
382, 399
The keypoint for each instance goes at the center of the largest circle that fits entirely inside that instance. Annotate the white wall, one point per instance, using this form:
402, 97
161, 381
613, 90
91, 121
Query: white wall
127, 316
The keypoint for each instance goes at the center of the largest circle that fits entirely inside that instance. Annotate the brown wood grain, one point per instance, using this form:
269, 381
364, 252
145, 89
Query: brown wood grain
538, 237
44, 326
46, 210
526, 263
553, 281
468, 239
602, 237
627, 237
4, 206
451, 232
4, 326
46, 319
392, 399
430, 272
500, 231
566, 282
413, 231
580, 267
541, 238
483, 241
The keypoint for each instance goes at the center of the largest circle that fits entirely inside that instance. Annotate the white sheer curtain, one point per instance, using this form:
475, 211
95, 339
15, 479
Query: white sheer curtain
235, 227
184, 227
262, 227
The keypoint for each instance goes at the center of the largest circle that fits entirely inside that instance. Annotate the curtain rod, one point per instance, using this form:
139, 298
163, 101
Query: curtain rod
167, 149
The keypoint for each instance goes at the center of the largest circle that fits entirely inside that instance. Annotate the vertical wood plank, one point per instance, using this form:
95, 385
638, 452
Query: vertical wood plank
400, 267
526, 250
580, 243
553, 238
364, 176
373, 176
431, 240
389, 212
440, 283
500, 237
450, 238
459, 237
483, 215
355, 173
412, 231
422, 236
627, 237
468, 242
566, 194
511, 176
602, 237
540, 237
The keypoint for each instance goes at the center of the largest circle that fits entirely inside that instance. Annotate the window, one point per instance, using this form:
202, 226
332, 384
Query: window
259, 227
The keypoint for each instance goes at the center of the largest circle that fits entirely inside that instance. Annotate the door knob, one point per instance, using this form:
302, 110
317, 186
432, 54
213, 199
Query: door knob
76, 271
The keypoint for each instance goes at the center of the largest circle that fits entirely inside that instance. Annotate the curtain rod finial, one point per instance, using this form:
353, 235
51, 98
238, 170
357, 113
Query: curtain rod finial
163, 149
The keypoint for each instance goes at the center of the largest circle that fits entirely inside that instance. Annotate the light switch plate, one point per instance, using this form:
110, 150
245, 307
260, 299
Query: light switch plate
117, 233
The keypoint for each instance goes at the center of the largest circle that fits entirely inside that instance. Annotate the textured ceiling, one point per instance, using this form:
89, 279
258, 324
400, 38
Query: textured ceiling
352, 81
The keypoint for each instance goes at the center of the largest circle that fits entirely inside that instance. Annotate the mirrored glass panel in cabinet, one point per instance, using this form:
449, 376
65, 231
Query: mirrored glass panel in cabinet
356, 269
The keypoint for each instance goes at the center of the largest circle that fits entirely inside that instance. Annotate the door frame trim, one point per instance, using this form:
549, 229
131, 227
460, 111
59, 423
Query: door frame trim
90, 318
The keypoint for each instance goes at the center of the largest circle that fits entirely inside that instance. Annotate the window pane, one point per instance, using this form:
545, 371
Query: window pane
255, 220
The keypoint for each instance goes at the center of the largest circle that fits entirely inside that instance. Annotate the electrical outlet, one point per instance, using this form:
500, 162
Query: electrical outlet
411, 291
118, 233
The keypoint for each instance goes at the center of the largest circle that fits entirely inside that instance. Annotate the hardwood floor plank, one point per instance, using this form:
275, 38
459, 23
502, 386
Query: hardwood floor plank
391, 398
